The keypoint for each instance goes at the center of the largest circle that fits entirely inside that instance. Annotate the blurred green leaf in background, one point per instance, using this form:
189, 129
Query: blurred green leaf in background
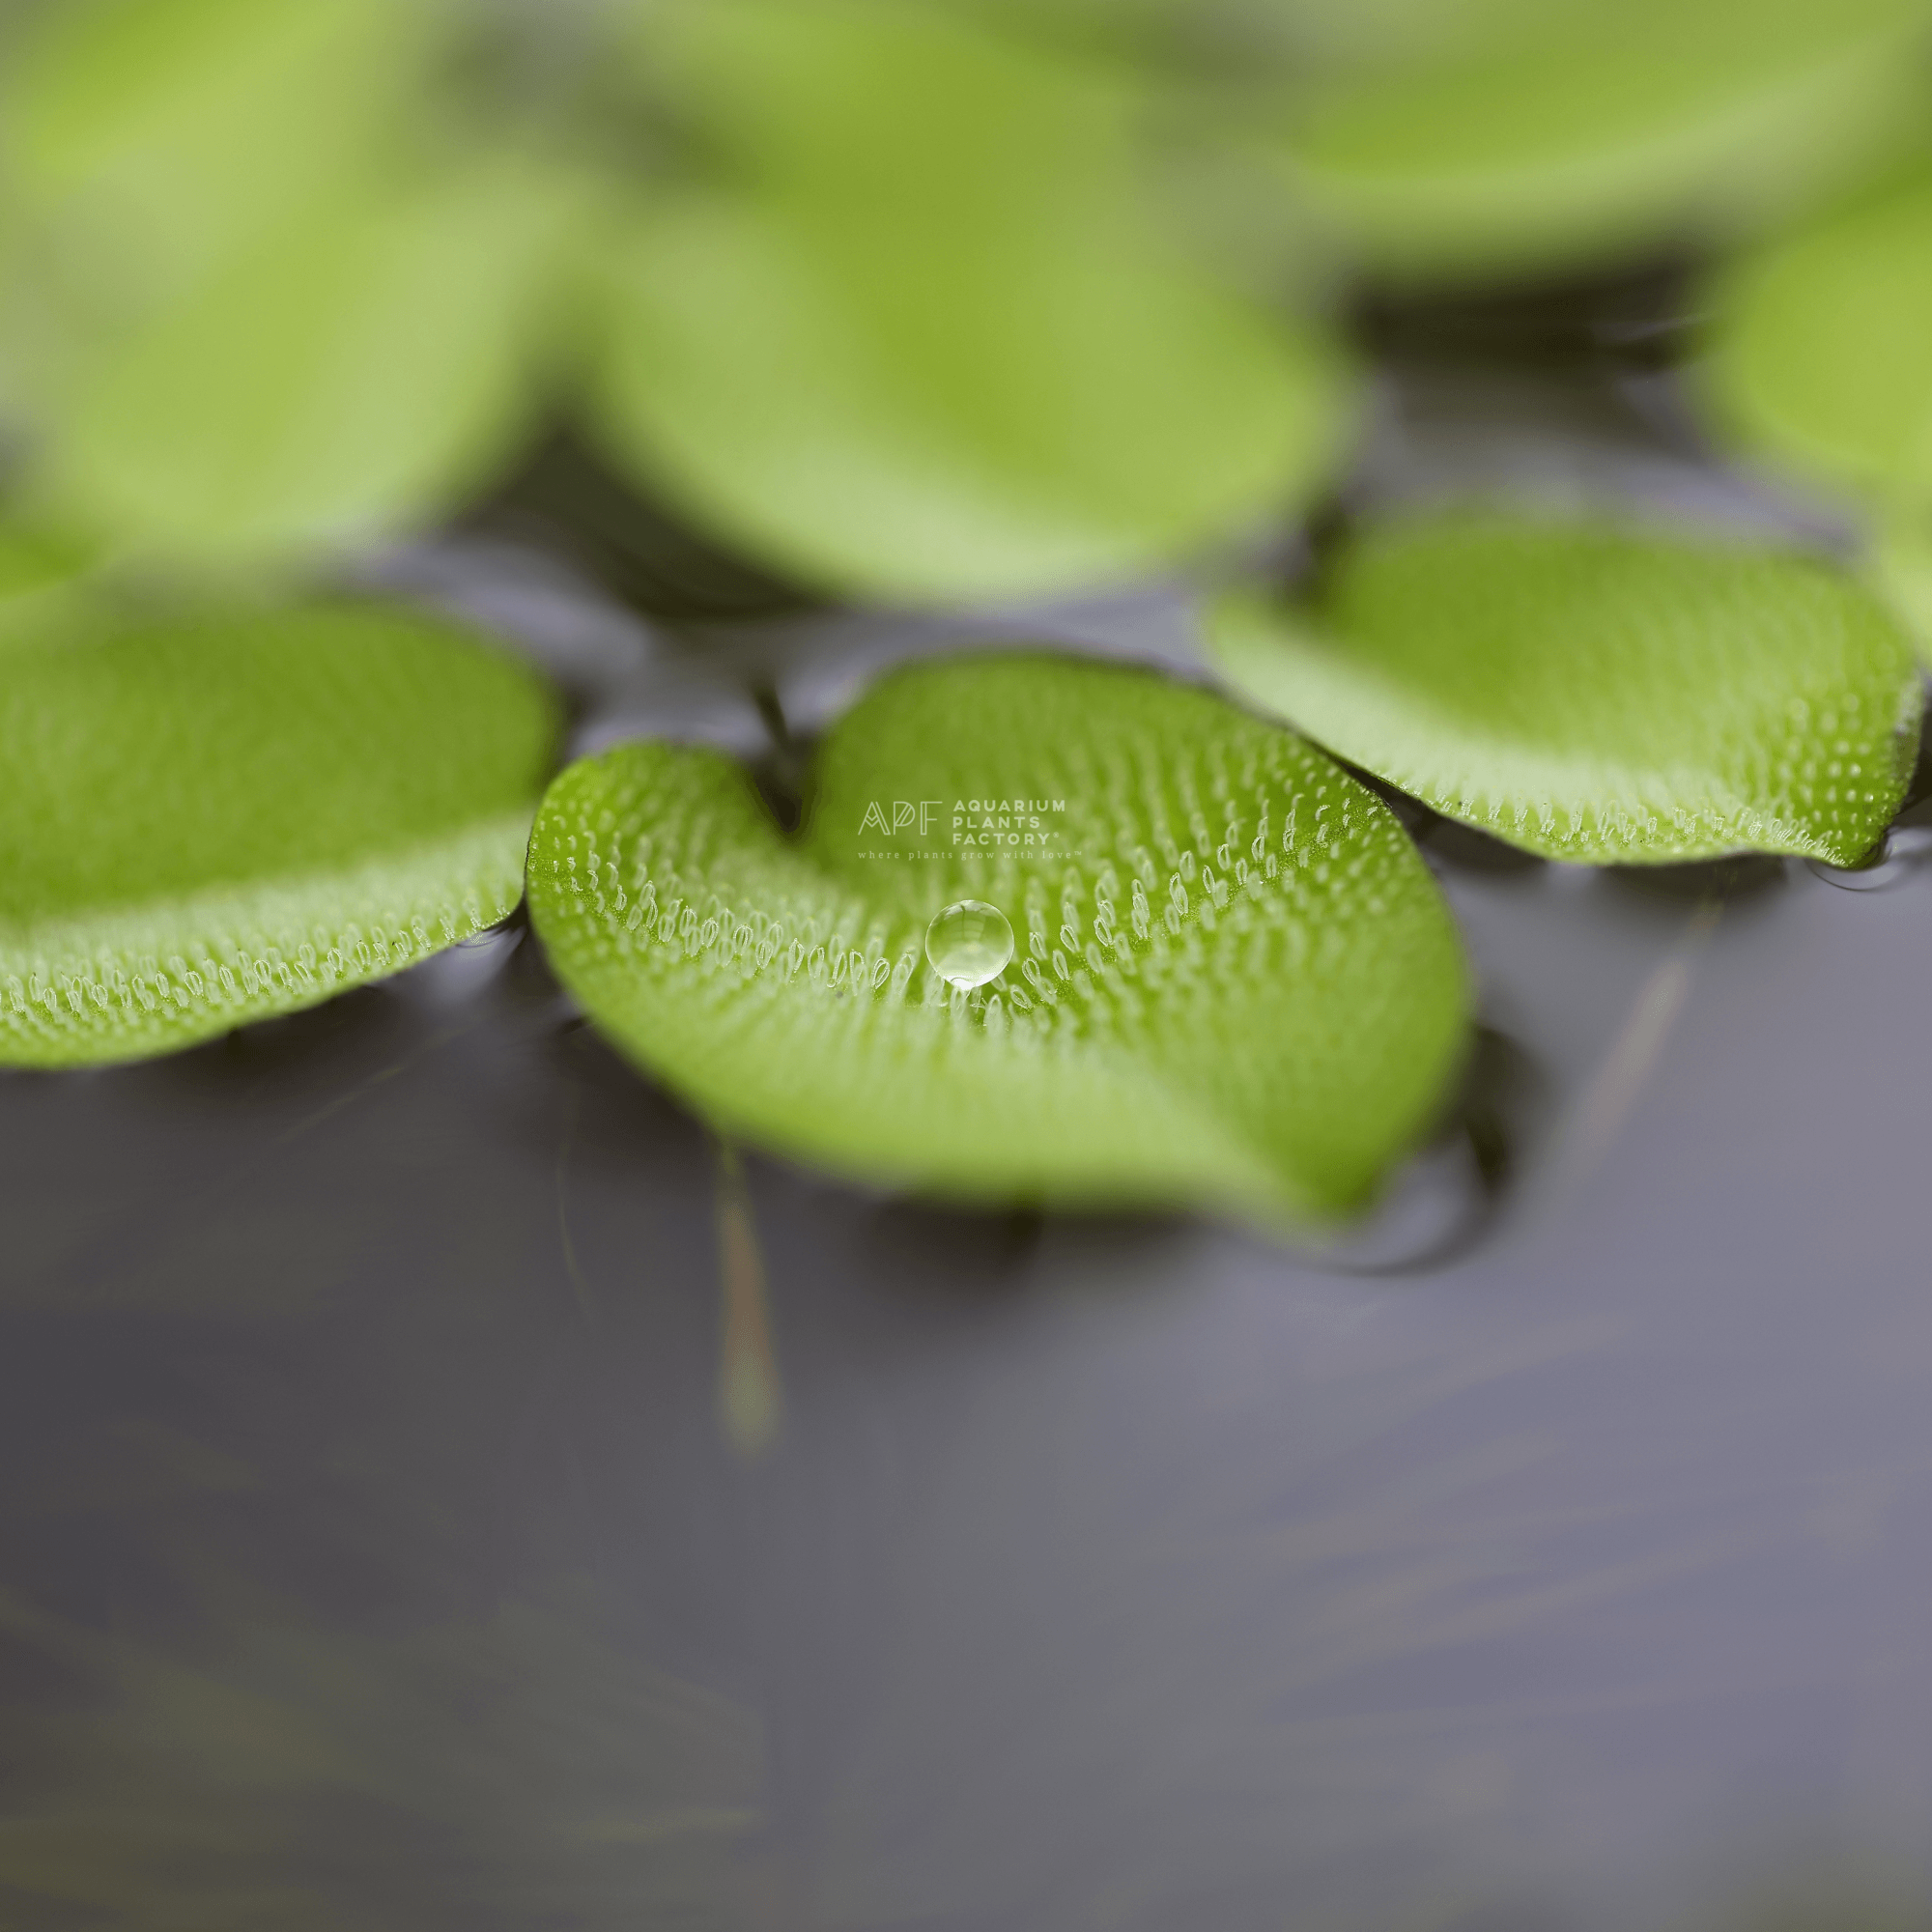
916, 330
1516, 138
874, 293
256, 304
1821, 348
1820, 363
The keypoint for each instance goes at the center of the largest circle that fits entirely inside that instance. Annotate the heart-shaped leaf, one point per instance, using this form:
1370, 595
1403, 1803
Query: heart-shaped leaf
1522, 140
203, 823
923, 337
1234, 981
1595, 694
1821, 348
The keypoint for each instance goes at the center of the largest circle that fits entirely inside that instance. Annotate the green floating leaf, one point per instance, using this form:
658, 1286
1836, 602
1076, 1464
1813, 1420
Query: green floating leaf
1597, 694
1529, 138
249, 302
33, 562
924, 338
148, 137
1235, 984
1902, 568
205, 823
358, 370
1821, 348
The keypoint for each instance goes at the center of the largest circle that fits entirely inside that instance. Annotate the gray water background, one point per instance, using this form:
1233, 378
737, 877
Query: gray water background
380, 1546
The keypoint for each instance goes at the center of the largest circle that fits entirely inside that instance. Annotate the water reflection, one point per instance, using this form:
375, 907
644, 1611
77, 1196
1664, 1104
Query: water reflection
263, 1767
438, 1488
375, 1550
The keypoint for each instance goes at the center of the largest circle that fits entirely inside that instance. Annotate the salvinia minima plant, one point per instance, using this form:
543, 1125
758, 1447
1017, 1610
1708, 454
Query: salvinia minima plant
1049, 931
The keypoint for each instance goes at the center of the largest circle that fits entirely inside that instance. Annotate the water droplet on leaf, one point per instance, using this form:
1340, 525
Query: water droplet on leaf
969, 943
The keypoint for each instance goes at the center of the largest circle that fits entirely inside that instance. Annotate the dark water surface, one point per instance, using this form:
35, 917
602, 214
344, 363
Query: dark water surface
440, 1489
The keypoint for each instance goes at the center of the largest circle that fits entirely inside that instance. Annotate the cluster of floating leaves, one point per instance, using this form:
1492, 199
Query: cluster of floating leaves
251, 309
278, 277
793, 282
1208, 968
